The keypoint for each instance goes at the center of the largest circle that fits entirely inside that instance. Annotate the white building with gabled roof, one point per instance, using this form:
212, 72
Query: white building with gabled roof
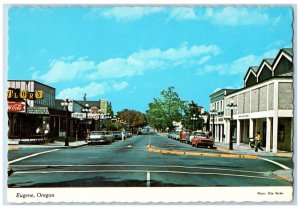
265, 104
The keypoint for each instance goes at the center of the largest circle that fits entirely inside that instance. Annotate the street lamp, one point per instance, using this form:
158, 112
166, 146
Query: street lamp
231, 106
65, 105
213, 113
193, 119
101, 115
86, 110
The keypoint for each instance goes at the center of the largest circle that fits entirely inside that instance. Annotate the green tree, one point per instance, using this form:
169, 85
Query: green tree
134, 119
193, 117
166, 109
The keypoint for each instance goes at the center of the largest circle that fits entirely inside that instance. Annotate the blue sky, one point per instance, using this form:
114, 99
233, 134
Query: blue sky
129, 54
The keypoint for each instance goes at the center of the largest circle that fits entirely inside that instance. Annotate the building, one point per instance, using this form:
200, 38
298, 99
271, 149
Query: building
217, 125
30, 104
265, 104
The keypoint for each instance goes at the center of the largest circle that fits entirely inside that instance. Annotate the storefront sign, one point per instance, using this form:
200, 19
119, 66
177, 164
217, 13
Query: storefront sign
78, 115
38, 110
16, 106
24, 94
81, 116
243, 116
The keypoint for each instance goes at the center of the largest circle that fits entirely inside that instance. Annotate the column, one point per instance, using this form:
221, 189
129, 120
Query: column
275, 134
228, 132
225, 130
221, 132
275, 118
217, 133
238, 132
268, 139
250, 128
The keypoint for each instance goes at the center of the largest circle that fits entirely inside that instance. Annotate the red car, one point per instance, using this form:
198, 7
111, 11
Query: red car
202, 140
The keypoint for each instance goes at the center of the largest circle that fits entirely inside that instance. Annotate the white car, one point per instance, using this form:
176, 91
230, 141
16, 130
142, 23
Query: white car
100, 137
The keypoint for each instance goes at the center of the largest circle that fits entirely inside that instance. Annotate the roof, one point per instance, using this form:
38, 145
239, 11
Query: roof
222, 91
289, 51
32, 81
253, 69
90, 103
269, 61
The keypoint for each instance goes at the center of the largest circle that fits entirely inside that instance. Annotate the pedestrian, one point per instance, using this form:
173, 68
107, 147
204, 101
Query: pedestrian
123, 134
258, 141
38, 130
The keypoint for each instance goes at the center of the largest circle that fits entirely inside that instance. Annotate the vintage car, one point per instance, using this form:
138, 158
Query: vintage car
202, 140
117, 135
100, 137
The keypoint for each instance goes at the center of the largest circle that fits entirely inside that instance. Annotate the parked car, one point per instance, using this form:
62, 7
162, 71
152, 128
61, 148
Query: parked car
193, 134
202, 140
117, 135
100, 137
183, 136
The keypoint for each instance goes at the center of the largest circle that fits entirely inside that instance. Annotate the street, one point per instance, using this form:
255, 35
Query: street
130, 164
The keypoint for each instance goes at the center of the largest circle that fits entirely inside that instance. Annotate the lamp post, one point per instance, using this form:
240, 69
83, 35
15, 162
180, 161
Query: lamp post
231, 106
65, 105
86, 110
213, 113
193, 119
101, 115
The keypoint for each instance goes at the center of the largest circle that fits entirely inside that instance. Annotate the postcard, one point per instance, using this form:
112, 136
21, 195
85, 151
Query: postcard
149, 104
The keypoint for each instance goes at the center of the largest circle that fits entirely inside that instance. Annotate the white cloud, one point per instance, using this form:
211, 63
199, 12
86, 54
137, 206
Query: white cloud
93, 89
68, 69
152, 59
232, 16
204, 59
125, 14
238, 66
183, 13
60, 70
120, 86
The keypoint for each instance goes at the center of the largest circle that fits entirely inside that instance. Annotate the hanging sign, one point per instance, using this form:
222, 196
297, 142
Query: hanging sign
16, 106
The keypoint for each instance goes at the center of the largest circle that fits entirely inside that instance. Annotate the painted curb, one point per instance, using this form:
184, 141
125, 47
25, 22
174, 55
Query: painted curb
204, 154
14, 148
287, 177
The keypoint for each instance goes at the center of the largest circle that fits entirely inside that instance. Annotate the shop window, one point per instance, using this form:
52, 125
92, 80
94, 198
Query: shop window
281, 134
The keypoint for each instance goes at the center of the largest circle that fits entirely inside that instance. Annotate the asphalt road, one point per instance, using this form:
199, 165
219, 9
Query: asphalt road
129, 164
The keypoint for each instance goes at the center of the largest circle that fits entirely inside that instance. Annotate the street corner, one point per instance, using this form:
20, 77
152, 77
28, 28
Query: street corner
284, 175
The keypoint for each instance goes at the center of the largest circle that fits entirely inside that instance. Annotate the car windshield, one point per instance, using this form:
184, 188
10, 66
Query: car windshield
202, 135
96, 133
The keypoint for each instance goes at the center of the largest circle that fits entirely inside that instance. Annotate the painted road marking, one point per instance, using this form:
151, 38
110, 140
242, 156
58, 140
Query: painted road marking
148, 179
33, 155
139, 171
156, 166
274, 162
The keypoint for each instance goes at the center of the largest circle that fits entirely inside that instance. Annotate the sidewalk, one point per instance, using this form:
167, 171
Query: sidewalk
247, 150
14, 144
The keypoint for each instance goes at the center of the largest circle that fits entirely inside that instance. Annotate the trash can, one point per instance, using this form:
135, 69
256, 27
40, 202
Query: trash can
67, 141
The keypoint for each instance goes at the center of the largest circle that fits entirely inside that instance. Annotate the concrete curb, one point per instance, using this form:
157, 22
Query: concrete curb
205, 154
17, 147
284, 175
286, 155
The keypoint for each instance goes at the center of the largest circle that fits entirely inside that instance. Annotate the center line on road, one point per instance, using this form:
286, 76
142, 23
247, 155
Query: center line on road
29, 156
148, 179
